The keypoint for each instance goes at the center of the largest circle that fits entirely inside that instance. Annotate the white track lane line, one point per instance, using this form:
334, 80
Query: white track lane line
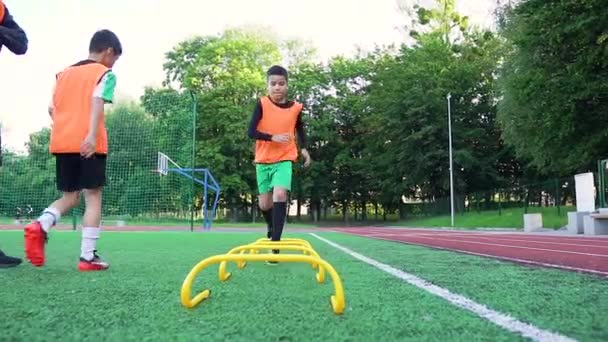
505, 321
498, 257
430, 237
532, 238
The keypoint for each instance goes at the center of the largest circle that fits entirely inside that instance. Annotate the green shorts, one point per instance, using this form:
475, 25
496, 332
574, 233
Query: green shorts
271, 175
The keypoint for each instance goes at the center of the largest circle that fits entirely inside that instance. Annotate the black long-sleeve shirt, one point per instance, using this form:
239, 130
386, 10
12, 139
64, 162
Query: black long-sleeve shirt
254, 133
12, 35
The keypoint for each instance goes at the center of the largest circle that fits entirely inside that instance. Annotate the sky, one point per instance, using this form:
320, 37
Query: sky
59, 32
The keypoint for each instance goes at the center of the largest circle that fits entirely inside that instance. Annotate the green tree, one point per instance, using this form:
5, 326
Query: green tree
409, 121
311, 186
553, 84
442, 18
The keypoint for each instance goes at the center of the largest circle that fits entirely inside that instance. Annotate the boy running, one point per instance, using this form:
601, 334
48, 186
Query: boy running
274, 122
14, 38
80, 145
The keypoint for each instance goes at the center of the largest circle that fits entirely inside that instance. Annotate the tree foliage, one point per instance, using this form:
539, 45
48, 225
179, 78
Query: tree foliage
554, 94
526, 101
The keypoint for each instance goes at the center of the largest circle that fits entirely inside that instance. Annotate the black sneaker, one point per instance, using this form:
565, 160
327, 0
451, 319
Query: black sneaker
8, 261
274, 251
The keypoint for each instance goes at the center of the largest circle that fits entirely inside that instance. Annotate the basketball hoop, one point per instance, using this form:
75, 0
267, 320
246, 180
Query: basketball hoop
163, 164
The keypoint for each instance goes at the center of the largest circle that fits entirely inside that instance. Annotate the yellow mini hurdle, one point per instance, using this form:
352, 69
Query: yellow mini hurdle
256, 247
223, 275
238, 256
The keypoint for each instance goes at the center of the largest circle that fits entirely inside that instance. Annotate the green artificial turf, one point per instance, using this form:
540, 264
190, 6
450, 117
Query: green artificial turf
138, 298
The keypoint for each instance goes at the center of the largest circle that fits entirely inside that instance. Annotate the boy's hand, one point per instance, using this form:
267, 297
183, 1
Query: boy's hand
281, 138
306, 157
87, 148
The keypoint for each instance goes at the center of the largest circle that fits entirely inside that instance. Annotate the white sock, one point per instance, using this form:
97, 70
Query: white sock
49, 218
89, 240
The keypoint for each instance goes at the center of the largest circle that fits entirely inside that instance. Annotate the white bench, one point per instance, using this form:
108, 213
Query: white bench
117, 223
596, 223
533, 223
576, 221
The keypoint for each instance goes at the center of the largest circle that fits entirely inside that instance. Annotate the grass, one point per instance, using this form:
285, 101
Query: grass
507, 218
138, 298
166, 222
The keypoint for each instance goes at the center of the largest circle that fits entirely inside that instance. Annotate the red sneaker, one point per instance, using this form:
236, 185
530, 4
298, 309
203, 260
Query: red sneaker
95, 264
35, 241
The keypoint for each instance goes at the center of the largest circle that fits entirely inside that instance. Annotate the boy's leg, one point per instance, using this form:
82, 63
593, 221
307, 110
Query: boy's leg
263, 177
92, 179
281, 183
89, 260
51, 215
35, 234
265, 201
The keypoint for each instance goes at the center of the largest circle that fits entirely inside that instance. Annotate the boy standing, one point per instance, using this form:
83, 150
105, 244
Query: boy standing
80, 145
14, 38
274, 122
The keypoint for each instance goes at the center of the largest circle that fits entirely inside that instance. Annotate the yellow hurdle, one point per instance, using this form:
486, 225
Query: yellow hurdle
255, 248
223, 275
337, 299
290, 241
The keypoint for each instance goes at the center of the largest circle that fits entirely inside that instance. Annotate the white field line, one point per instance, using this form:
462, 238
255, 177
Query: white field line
505, 321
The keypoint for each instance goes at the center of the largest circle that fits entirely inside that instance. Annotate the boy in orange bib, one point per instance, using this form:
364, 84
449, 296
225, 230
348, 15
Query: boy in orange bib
274, 125
79, 143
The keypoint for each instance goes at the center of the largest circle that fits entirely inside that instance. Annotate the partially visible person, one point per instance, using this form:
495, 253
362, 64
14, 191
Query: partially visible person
14, 38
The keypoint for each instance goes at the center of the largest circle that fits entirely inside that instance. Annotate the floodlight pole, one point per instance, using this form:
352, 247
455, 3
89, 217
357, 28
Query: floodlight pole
451, 161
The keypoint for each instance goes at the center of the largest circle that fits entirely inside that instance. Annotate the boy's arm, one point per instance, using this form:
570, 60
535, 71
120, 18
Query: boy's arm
11, 35
106, 87
51, 105
301, 134
96, 110
104, 93
253, 132
302, 140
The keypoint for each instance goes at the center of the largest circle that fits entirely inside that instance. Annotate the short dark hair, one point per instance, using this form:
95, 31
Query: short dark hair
103, 40
278, 71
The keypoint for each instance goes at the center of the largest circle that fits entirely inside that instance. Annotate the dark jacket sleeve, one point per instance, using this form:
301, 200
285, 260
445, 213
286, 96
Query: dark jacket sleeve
301, 132
12, 35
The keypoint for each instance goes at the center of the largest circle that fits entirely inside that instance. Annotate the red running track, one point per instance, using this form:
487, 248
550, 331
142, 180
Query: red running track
582, 254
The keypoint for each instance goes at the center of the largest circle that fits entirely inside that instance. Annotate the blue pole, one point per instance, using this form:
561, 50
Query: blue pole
206, 222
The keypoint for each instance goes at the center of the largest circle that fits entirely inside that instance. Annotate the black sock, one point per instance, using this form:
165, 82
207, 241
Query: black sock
268, 217
279, 210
